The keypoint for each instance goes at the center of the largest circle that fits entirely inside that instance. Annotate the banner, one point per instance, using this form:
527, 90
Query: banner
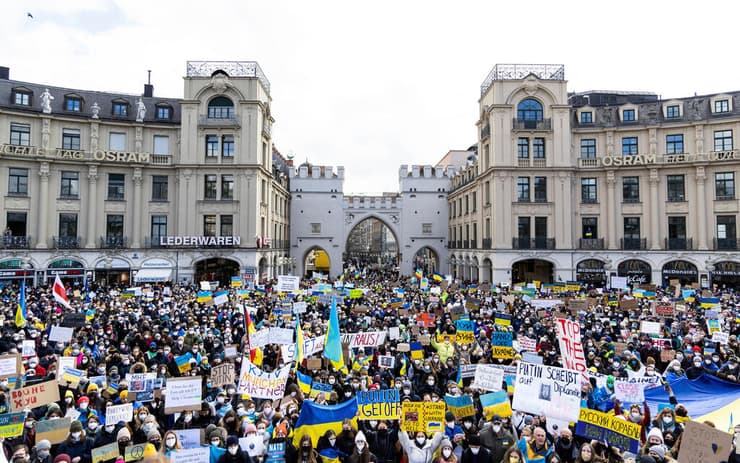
117, 413
571, 349
551, 391
425, 417
609, 429
258, 384
465, 334
288, 283
488, 378
368, 339
311, 346
55, 431
259, 338
183, 394
105, 453
461, 406
496, 403
11, 424
222, 375
705, 444
34, 396
384, 404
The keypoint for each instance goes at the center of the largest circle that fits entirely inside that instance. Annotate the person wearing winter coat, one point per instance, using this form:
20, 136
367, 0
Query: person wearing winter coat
496, 439
475, 453
382, 442
76, 445
446, 455
421, 449
535, 449
234, 454
362, 453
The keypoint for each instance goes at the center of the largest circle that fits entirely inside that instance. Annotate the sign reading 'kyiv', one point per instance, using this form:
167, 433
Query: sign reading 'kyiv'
200, 241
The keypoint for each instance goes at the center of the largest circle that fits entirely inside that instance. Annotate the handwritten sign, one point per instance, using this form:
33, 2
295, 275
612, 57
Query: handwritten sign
488, 378
367, 339
183, 394
10, 365
222, 374
11, 424
425, 417
465, 334
261, 384
629, 392
34, 396
117, 413
259, 338
61, 334
551, 391
379, 404
650, 327
55, 431
461, 406
569, 335
703, 443
105, 453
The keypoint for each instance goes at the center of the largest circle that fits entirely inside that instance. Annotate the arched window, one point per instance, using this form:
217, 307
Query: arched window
220, 108
529, 110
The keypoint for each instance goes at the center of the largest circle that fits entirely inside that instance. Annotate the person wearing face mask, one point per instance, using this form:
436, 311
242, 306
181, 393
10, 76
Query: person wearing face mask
29, 431
230, 422
221, 405
142, 425
170, 443
513, 455
666, 421
453, 431
430, 386
420, 449
76, 444
445, 349
382, 440
93, 426
565, 449
42, 452
696, 369
281, 432
254, 443
346, 438
361, 453
446, 455
637, 417
83, 406
106, 435
496, 439
731, 370
234, 454
475, 453
205, 417
469, 427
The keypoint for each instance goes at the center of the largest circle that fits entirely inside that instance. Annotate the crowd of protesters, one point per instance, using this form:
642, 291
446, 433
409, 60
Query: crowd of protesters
145, 333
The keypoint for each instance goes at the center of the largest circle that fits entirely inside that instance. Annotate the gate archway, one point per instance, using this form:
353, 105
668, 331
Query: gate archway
372, 245
219, 269
529, 270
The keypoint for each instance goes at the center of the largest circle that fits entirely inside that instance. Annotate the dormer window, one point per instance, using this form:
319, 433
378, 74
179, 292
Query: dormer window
628, 115
673, 112
120, 108
220, 108
73, 103
164, 112
587, 117
722, 106
22, 96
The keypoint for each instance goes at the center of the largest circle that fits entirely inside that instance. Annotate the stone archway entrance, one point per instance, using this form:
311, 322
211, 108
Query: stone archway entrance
219, 269
426, 260
316, 260
527, 271
371, 245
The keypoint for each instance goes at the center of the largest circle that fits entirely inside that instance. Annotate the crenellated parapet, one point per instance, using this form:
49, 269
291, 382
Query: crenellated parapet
427, 171
372, 202
317, 172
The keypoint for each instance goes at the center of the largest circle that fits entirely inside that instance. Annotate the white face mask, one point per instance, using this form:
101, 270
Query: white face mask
447, 453
332, 442
360, 446
110, 428
76, 435
170, 442
475, 450
233, 450
496, 427
468, 425
667, 420
421, 440
451, 424
93, 426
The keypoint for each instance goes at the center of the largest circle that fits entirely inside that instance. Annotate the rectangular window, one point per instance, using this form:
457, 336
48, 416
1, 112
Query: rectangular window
211, 145
629, 146
588, 190
159, 228
628, 115
726, 232
20, 134
524, 228
70, 184
116, 186
588, 148
475, 201
587, 117
209, 225
16, 223
227, 225
22, 98
117, 142
73, 104
724, 185
68, 226
631, 228
227, 146
467, 205
160, 184
120, 109
487, 193
673, 112
538, 148
589, 228
631, 189
211, 187
723, 140
163, 112
71, 139
674, 144
675, 185
426, 228
523, 148
161, 145
316, 228
114, 228
721, 106
540, 189
676, 228
540, 228
522, 189
17, 181
227, 187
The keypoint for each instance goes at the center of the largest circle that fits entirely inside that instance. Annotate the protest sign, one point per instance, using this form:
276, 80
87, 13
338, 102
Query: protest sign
527, 344
105, 453
189, 438
230, 351
618, 282
183, 394
72, 376
259, 338
465, 333
195, 455
425, 417
117, 413
10, 365
28, 349
501, 345
299, 307
705, 444
629, 392
275, 452
55, 431
222, 374
608, 428
503, 319
74, 320
367, 339
569, 335
664, 310
548, 390
134, 452
61, 334
319, 388
488, 378
310, 347
34, 396
461, 406
281, 336
386, 361
394, 333
532, 357
259, 384
496, 403
313, 364
384, 404
288, 283
650, 327
11, 424
628, 304
720, 337
140, 382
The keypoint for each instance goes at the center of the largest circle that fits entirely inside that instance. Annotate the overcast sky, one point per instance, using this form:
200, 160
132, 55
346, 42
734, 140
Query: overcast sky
372, 85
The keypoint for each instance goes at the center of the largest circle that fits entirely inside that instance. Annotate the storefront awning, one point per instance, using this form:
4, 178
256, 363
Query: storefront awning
153, 275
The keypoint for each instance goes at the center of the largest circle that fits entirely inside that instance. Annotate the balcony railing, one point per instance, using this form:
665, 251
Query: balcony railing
679, 243
591, 243
66, 242
533, 243
113, 242
161, 160
726, 244
16, 242
487, 243
633, 243
465, 244
205, 121
523, 124
588, 162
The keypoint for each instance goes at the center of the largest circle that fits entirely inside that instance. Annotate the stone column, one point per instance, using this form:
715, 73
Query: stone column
138, 209
611, 207
654, 211
92, 209
701, 216
44, 200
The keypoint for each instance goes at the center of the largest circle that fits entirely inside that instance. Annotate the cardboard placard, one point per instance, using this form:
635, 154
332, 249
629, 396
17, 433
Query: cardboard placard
425, 417
55, 431
222, 374
135, 452
105, 453
703, 443
313, 363
183, 394
425, 340
628, 304
403, 347
667, 355
230, 351
34, 396
10, 365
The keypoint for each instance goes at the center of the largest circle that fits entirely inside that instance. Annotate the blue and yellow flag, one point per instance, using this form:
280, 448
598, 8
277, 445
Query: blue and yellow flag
495, 403
333, 342
315, 420
304, 382
437, 277
705, 302
299, 342
205, 296
20, 313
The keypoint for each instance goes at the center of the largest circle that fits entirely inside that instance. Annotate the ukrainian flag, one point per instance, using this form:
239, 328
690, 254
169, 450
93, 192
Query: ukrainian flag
705, 302
330, 455
204, 296
299, 342
315, 420
495, 403
304, 382
437, 277
333, 342
20, 313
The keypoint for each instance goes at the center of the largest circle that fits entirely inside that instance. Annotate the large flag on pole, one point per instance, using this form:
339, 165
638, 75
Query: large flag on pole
299, 342
20, 313
255, 355
60, 293
333, 342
